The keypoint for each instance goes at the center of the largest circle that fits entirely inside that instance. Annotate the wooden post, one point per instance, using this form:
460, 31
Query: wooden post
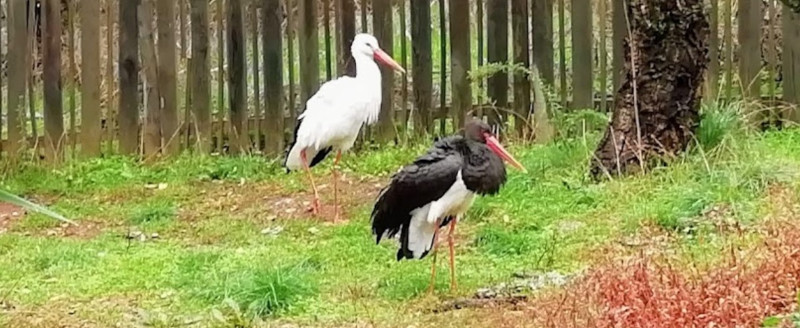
128, 116
422, 66
290, 40
308, 40
182, 27
17, 34
460, 63
582, 77
542, 28
383, 30
619, 28
272, 16
152, 113
71, 80
167, 71
479, 22
53, 111
522, 86
602, 54
404, 63
728, 39
442, 68
750, 19
237, 78
90, 77
497, 35
562, 53
255, 31
111, 85
346, 31
221, 132
200, 85
791, 63
326, 27
712, 78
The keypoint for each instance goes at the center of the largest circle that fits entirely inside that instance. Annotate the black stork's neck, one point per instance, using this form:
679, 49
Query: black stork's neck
483, 171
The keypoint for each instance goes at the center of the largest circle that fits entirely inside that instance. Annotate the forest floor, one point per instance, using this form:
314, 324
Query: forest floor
211, 241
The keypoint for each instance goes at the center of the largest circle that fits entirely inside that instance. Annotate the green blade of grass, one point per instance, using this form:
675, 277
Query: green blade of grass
5, 196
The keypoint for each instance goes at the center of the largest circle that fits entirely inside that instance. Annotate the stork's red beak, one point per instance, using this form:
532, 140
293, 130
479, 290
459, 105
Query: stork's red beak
498, 149
387, 60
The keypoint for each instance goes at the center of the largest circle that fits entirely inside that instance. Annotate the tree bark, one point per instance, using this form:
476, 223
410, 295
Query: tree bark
656, 107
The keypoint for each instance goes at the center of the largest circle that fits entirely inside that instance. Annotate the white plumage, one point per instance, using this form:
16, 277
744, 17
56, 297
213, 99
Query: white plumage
334, 115
455, 202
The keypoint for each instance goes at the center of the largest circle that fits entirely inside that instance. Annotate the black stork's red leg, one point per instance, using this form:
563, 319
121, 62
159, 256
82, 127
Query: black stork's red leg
433, 264
315, 204
336, 186
451, 244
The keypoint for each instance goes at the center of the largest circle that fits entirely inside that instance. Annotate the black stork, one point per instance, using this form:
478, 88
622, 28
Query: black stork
437, 189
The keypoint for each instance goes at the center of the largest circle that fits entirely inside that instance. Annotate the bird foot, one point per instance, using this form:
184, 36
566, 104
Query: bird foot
314, 209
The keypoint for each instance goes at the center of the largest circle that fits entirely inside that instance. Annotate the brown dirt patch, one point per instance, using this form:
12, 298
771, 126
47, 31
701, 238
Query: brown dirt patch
8, 215
85, 230
65, 313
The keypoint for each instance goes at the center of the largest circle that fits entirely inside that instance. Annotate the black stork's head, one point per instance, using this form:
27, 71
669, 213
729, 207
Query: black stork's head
478, 131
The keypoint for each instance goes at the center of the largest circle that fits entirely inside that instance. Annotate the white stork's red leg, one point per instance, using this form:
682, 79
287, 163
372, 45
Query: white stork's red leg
315, 203
336, 186
451, 243
433, 264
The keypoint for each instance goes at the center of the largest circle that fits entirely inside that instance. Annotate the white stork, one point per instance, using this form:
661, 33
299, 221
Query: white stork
335, 114
437, 189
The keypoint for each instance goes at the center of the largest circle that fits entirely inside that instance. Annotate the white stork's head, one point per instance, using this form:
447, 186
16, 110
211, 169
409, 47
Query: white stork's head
367, 46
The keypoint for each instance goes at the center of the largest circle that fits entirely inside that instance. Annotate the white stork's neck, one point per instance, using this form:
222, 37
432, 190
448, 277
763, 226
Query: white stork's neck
366, 69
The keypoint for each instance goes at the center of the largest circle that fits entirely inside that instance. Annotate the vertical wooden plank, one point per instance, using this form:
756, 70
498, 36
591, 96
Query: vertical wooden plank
90, 77
345, 32
728, 40
182, 27
602, 55
712, 75
53, 110
290, 37
497, 35
582, 56
404, 62
461, 63
273, 77
237, 78
326, 24
364, 25
72, 75
772, 49
619, 28
16, 72
2, 59
382, 19
749, 28
308, 39
167, 75
422, 66
542, 33
151, 140
221, 132
562, 52
200, 84
479, 22
111, 87
522, 86
442, 68
254, 35
128, 116
791, 63
32, 53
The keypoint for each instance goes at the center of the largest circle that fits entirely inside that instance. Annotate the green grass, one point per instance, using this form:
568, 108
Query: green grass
212, 262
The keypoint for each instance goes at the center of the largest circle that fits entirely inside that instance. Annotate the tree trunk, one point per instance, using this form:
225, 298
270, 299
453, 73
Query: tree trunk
656, 107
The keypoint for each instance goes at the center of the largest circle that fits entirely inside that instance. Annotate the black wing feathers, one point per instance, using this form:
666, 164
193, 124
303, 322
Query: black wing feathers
425, 180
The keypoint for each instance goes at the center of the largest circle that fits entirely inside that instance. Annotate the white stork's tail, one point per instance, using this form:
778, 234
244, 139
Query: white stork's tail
294, 161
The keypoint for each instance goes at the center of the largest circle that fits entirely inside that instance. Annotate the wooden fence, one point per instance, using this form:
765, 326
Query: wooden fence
156, 77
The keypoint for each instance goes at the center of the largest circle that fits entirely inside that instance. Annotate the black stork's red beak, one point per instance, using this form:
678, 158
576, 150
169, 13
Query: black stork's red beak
498, 149
387, 60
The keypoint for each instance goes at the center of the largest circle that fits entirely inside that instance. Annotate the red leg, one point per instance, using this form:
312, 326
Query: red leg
335, 186
433, 265
451, 242
315, 204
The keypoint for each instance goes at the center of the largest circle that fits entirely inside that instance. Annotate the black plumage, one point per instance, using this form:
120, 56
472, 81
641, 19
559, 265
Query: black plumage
318, 157
430, 176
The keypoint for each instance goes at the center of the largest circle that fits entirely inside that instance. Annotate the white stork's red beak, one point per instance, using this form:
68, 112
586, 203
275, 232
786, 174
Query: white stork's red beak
498, 149
387, 60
